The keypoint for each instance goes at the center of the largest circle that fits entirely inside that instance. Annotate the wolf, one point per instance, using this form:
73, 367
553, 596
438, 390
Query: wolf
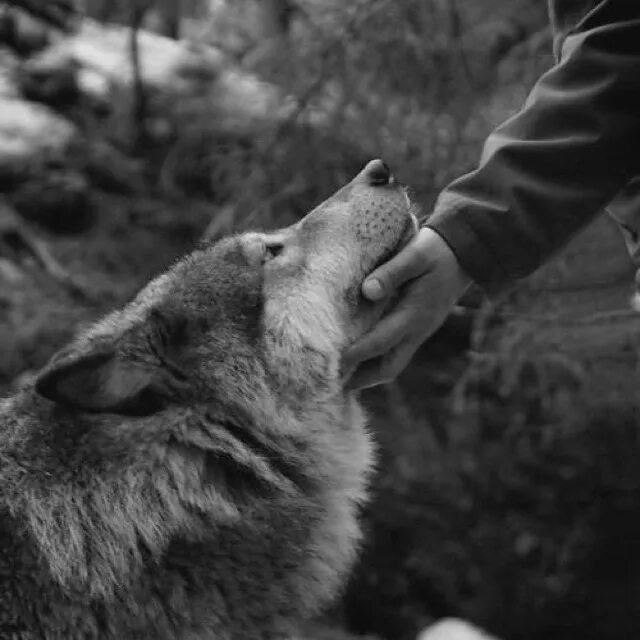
191, 466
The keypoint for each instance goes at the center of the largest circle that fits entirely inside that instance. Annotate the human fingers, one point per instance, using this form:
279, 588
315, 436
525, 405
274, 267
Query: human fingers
409, 263
366, 374
384, 336
383, 369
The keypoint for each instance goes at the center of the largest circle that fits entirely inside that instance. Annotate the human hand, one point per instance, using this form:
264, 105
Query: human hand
431, 282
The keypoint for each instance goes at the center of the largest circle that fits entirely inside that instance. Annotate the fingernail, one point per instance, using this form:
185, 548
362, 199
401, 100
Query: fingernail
372, 289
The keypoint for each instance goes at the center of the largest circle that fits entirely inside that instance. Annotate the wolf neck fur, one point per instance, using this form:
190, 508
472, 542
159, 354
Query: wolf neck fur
97, 510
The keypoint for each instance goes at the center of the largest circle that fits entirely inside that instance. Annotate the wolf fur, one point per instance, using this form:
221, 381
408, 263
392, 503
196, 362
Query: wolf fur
190, 467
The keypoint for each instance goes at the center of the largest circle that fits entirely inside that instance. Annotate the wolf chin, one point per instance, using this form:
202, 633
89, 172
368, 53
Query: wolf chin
191, 467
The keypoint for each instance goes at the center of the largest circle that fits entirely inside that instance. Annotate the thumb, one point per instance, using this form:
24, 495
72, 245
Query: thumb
411, 262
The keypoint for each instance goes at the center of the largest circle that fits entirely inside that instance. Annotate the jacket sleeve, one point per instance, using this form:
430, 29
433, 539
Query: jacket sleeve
546, 172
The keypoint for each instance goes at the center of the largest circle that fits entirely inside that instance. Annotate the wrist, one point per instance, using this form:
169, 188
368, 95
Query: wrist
437, 250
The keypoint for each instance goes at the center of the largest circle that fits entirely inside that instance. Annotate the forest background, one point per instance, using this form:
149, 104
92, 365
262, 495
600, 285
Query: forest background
508, 488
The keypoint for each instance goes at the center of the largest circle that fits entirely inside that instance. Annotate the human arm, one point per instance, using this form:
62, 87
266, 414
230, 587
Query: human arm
544, 175
547, 172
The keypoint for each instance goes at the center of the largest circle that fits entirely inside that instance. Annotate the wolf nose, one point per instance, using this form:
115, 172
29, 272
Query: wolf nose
377, 173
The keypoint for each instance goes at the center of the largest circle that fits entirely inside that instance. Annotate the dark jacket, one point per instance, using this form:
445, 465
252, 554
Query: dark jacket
549, 170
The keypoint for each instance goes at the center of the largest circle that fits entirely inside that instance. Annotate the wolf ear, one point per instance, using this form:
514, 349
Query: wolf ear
102, 382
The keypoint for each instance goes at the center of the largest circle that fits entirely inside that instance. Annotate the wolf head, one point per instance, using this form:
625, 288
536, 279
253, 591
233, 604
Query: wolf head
272, 310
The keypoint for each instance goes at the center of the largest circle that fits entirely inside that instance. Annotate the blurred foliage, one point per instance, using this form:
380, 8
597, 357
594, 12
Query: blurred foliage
507, 490
523, 520
411, 81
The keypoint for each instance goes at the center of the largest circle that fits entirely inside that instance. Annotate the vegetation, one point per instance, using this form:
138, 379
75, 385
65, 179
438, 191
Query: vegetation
508, 492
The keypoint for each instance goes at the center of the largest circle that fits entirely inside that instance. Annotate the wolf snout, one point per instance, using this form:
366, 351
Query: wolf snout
377, 173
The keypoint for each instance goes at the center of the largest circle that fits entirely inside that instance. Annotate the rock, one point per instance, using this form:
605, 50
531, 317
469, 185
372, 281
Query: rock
51, 78
23, 33
30, 137
183, 79
453, 629
59, 200
60, 14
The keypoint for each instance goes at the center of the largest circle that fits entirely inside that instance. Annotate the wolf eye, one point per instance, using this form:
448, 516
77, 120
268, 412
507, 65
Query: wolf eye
273, 250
